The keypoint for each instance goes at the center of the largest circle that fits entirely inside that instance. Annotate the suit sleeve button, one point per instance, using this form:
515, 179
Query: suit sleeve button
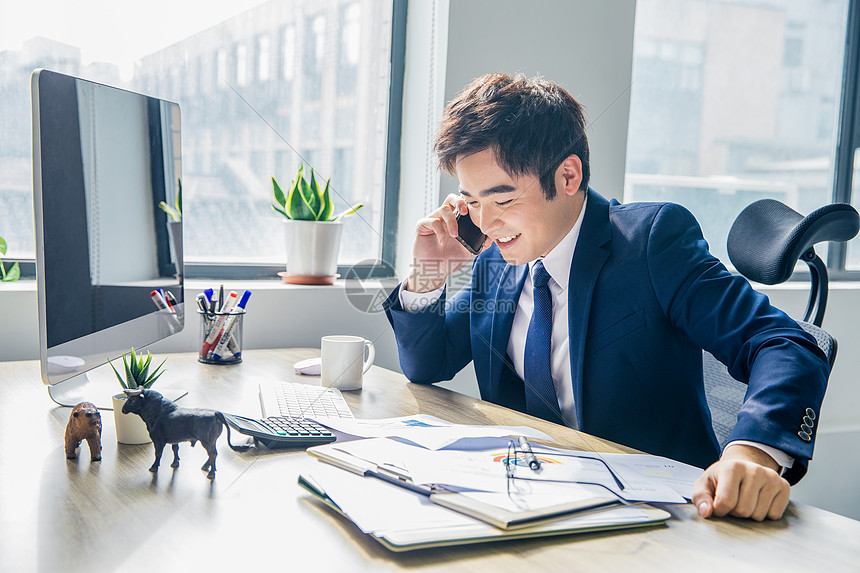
806, 429
804, 436
808, 421
810, 412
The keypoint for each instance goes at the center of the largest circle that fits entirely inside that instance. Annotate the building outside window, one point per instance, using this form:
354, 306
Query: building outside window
241, 64
734, 101
289, 52
263, 62
314, 54
349, 48
243, 122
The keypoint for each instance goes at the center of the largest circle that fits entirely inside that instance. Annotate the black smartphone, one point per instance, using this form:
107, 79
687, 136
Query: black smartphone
469, 235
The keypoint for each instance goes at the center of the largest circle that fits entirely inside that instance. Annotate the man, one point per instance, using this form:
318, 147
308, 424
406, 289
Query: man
594, 314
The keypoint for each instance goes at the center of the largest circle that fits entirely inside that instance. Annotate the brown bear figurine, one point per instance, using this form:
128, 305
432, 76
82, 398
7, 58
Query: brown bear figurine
85, 423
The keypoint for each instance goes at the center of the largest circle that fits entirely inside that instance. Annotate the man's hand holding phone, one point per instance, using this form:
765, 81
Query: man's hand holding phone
437, 251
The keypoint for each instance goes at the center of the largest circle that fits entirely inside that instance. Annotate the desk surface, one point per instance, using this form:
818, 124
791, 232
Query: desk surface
114, 514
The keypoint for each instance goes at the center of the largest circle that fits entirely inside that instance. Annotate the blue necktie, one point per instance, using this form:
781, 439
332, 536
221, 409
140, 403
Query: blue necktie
541, 399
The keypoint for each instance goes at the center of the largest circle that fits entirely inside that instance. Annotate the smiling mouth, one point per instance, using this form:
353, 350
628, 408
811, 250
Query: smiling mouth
505, 240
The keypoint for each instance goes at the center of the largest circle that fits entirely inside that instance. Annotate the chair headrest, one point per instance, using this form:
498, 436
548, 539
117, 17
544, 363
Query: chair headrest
768, 237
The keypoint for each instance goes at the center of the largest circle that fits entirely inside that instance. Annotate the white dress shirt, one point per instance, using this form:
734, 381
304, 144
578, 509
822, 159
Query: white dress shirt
557, 264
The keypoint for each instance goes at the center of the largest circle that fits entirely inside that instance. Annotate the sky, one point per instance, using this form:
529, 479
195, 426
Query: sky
113, 31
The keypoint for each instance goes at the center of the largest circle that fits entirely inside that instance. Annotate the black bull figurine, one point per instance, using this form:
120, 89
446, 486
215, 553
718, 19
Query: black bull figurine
167, 423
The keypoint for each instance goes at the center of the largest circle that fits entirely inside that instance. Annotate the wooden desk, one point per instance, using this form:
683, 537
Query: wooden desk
59, 515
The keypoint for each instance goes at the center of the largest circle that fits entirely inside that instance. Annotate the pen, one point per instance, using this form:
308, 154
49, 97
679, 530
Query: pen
208, 293
530, 456
171, 300
221, 299
217, 351
201, 303
232, 345
167, 299
365, 468
159, 300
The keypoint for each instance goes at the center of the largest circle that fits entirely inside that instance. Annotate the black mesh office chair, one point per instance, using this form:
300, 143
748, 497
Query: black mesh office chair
765, 242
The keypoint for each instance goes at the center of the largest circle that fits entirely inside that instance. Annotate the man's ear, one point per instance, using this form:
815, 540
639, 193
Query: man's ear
568, 176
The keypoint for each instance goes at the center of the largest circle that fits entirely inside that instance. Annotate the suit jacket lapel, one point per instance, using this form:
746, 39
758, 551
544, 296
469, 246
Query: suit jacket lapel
507, 295
592, 250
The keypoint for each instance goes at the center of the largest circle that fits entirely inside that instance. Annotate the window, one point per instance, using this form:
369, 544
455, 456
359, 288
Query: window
847, 176
289, 53
314, 54
263, 58
733, 101
241, 65
349, 49
257, 87
222, 67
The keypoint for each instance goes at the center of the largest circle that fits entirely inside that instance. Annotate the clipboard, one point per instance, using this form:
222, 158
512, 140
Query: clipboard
401, 540
496, 509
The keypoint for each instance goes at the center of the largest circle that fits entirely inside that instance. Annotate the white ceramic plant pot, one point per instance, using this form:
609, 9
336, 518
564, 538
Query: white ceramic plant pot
130, 428
312, 247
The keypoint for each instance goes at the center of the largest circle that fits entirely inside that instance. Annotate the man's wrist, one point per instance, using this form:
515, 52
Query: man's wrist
416, 302
735, 451
784, 460
421, 283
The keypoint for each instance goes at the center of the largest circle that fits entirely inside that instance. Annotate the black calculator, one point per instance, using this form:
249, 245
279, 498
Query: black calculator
281, 432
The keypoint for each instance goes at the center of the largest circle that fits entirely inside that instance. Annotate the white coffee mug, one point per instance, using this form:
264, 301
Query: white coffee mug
343, 362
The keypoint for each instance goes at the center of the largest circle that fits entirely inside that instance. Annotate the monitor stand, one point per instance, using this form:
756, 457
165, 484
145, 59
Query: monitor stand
81, 388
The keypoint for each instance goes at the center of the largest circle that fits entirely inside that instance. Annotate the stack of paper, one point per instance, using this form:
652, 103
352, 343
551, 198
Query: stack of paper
402, 520
401, 490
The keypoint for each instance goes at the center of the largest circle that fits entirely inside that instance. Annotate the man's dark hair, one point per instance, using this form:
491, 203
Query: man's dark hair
531, 125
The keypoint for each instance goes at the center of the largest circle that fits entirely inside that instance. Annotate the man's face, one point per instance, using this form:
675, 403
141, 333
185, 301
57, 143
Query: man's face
513, 212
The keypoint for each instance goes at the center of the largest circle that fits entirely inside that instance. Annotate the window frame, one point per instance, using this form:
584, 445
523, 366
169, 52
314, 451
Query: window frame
848, 138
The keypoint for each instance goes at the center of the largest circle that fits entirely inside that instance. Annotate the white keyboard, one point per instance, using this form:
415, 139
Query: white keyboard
296, 400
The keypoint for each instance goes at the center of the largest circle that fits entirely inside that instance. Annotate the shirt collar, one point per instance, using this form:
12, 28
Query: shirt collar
557, 262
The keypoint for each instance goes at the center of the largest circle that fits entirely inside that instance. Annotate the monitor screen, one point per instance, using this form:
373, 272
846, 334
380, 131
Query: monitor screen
107, 257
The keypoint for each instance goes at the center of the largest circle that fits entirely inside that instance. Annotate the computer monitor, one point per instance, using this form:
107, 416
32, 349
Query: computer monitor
103, 160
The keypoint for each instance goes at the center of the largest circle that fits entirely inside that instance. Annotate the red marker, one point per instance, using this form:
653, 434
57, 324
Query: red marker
160, 301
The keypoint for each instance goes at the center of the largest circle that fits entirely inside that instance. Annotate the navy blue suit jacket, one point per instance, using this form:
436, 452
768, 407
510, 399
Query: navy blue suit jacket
645, 297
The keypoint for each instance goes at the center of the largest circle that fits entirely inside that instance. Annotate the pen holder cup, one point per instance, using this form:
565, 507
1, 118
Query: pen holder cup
221, 337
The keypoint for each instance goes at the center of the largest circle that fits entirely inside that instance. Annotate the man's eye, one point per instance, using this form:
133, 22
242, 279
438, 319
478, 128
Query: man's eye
473, 204
503, 203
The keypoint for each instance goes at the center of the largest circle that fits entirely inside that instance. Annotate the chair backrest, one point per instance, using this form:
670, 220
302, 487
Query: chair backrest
768, 238
726, 395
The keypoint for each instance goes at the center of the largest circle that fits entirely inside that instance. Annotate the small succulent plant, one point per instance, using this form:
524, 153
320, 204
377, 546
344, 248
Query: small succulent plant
137, 374
306, 202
